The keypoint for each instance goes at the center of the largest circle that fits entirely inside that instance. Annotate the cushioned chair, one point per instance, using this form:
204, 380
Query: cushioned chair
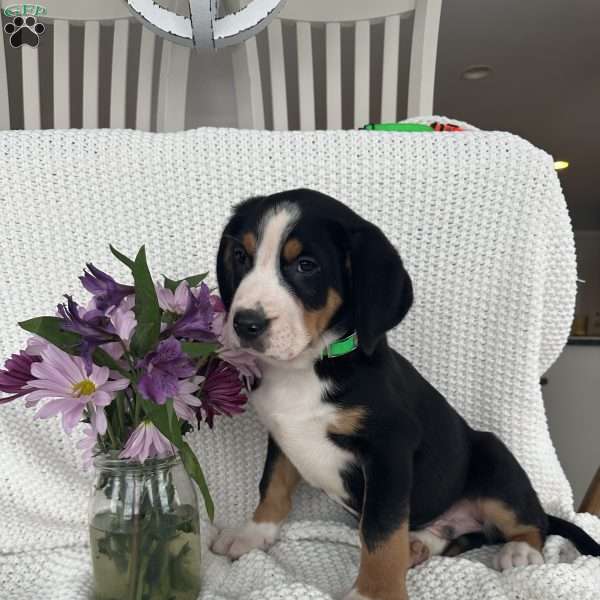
482, 225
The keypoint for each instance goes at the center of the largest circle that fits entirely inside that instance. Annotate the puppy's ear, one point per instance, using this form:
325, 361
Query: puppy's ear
381, 288
225, 274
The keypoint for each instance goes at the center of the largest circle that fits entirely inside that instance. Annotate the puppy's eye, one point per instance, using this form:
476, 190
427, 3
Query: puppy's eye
240, 256
307, 265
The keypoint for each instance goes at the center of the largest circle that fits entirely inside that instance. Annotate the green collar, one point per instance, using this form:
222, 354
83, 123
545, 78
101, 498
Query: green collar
341, 347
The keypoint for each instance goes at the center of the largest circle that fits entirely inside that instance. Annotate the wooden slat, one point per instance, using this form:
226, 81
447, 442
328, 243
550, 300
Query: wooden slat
91, 74
306, 82
62, 80
32, 116
389, 84
163, 75
143, 112
172, 82
118, 86
591, 501
256, 89
4, 104
333, 69
248, 86
84, 10
362, 78
423, 57
329, 11
172, 87
277, 68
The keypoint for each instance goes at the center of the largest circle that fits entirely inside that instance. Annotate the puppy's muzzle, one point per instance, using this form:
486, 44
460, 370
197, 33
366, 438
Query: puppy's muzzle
250, 324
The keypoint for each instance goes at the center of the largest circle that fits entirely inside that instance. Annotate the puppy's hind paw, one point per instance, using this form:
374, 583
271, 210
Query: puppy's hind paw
517, 554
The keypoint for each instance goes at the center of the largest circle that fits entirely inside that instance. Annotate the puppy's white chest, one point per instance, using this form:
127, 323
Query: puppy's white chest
290, 406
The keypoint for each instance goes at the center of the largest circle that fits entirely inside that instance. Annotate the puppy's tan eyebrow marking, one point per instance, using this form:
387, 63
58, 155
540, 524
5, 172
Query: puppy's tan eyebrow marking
292, 249
249, 243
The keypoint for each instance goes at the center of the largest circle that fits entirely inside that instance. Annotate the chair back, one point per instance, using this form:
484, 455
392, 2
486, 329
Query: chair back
302, 72
94, 67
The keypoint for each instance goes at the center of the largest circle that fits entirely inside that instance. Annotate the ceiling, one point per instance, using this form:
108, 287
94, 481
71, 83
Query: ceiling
545, 84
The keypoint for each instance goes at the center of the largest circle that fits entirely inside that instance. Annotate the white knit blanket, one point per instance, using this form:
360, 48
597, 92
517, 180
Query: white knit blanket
482, 225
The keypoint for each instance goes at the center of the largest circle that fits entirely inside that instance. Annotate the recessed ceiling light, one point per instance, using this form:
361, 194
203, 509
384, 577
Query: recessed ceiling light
475, 72
559, 165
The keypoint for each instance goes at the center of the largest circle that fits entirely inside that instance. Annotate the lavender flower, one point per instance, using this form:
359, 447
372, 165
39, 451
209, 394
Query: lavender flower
185, 402
107, 292
123, 320
195, 323
145, 442
163, 369
219, 317
173, 302
16, 375
222, 392
94, 327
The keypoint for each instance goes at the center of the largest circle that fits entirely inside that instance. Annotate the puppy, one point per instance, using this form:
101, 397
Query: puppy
311, 289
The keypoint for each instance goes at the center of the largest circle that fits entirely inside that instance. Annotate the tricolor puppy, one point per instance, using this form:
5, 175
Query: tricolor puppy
303, 277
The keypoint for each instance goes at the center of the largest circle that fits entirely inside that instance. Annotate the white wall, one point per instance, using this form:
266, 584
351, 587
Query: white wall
587, 244
572, 398
211, 95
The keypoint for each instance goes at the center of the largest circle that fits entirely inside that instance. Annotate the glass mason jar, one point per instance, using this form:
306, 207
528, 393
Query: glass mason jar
144, 530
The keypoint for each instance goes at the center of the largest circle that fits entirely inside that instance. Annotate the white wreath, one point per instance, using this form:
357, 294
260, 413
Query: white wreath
203, 29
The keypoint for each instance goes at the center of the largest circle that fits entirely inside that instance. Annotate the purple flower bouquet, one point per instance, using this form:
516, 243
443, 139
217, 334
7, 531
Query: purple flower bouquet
141, 366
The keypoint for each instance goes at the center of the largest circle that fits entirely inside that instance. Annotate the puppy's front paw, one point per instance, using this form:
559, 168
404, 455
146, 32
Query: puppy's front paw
419, 552
355, 595
517, 554
236, 542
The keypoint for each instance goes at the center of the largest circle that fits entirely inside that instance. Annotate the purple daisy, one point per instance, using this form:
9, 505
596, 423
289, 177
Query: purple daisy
15, 377
146, 441
107, 292
222, 392
163, 368
63, 380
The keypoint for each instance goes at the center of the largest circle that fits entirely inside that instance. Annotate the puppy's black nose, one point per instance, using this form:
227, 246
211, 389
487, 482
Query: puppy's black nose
249, 324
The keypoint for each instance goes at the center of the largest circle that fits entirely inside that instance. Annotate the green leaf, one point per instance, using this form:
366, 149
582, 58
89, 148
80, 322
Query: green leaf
172, 418
49, 329
164, 418
147, 310
104, 359
193, 280
199, 349
194, 470
124, 259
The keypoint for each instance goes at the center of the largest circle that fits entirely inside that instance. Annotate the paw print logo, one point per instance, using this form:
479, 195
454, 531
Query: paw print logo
24, 31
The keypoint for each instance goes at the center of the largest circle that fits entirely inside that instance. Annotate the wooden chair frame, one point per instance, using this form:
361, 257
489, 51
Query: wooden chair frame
91, 14
304, 13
